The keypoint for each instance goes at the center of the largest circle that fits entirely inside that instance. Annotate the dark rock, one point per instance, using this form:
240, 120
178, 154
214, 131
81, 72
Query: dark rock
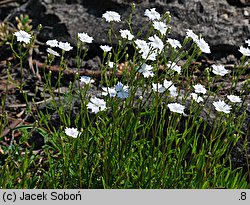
224, 26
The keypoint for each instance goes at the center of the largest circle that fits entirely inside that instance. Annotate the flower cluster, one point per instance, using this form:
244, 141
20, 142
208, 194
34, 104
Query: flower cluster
149, 50
65, 46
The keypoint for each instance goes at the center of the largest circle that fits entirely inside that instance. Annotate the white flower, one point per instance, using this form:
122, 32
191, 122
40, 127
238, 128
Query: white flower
51, 51
123, 93
221, 106
23, 36
174, 43
192, 35
203, 45
175, 67
65, 46
199, 88
86, 80
72, 132
109, 91
122, 90
160, 26
111, 64
52, 43
106, 48
146, 70
234, 98
152, 14
248, 42
147, 54
197, 98
96, 104
157, 87
156, 42
169, 86
85, 38
176, 107
111, 16
219, 70
245, 51
126, 34
141, 44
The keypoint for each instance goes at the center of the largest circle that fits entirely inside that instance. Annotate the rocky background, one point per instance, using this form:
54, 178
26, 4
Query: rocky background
224, 24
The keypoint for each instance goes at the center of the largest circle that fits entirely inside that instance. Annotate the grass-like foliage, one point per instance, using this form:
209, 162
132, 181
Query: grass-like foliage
144, 126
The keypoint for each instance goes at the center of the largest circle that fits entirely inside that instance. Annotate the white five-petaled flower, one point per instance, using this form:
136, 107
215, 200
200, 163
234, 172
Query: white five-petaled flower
192, 35
174, 66
72, 132
157, 87
96, 104
141, 44
146, 70
144, 48
106, 48
86, 80
109, 91
160, 26
197, 98
152, 14
203, 45
198, 88
219, 70
23, 36
111, 16
200, 42
244, 51
156, 42
65, 46
169, 86
122, 90
234, 98
176, 107
126, 34
221, 106
174, 43
52, 43
51, 51
85, 38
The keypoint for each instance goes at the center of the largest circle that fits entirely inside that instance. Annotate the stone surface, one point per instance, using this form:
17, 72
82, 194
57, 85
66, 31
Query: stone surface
224, 24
